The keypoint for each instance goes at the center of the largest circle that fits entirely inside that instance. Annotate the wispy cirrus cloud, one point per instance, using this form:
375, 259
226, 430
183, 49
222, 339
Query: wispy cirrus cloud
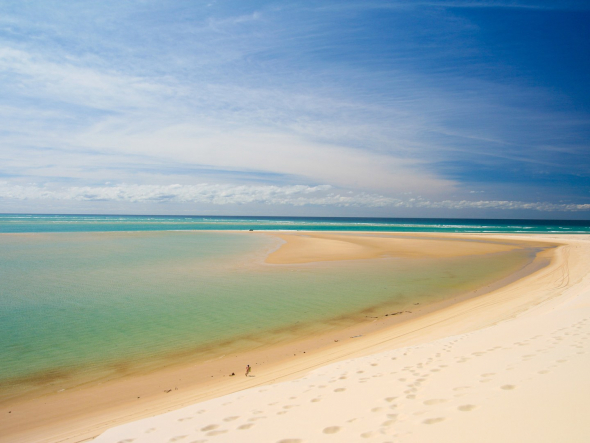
385, 99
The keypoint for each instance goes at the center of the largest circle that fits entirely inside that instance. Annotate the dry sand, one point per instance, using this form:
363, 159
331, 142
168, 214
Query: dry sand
508, 365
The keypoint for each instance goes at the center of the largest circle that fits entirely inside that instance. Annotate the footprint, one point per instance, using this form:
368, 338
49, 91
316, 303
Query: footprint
315, 400
467, 408
177, 438
390, 399
507, 387
209, 428
368, 434
434, 401
127, 440
340, 390
431, 421
235, 417
246, 426
290, 440
377, 409
331, 429
185, 418
212, 433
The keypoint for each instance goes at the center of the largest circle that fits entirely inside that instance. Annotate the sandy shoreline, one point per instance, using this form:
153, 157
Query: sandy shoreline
462, 318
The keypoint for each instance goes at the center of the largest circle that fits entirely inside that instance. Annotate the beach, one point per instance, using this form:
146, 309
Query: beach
501, 363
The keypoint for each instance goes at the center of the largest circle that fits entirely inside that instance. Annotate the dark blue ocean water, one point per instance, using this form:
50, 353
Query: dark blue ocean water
12, 223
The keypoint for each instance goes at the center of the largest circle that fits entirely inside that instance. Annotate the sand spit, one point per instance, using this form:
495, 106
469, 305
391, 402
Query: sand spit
509, 366
312, 247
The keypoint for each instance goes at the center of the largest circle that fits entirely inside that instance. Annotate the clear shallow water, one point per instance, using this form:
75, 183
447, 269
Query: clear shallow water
80, 306
94, 223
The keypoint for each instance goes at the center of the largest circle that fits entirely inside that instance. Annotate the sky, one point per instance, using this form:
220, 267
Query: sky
407, 108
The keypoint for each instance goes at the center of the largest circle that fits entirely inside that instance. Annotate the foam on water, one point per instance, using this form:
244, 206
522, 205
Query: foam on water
93, 223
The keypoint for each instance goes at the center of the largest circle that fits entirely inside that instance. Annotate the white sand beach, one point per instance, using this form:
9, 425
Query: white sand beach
507, 362
507, 366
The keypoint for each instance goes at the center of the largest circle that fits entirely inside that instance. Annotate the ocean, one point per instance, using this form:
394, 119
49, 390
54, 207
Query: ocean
12, 223
88, 298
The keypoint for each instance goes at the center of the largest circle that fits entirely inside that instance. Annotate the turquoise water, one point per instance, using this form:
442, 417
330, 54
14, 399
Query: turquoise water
93, 223
81, 306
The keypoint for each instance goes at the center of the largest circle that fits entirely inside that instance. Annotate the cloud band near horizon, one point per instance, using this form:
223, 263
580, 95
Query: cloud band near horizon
296, 195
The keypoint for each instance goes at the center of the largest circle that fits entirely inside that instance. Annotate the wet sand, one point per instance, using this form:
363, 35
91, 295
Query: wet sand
87, 412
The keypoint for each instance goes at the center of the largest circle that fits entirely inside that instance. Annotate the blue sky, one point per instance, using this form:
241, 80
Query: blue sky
351, 108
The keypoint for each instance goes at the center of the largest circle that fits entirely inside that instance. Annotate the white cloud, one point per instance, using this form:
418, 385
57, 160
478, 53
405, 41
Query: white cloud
237, 95
502, 204
217, 194
275, 152
226, 194
301, 134
75, 81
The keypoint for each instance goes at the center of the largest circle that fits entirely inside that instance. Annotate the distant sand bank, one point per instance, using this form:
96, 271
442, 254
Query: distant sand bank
431, 353
313, 247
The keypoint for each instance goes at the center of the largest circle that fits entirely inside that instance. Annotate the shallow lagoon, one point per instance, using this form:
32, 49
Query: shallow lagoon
79, 307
